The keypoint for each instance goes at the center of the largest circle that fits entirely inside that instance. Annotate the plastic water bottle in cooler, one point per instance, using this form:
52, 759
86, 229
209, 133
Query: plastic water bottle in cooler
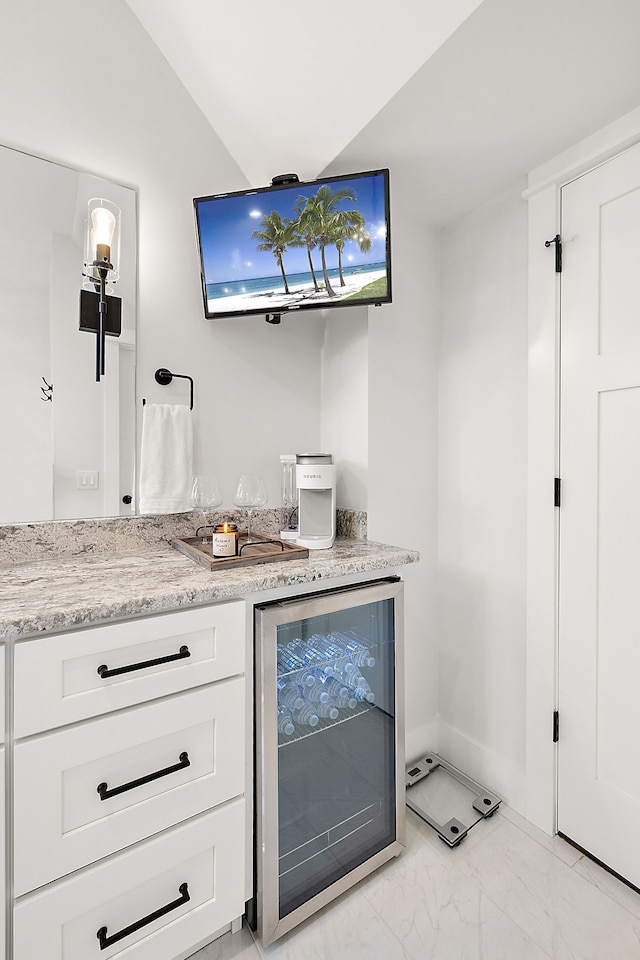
290, 662
334, 687
361, 689
304, 651
328, 670
327, 710
357, 652
285, 723
306, 678
345, 703
288, 659
326, 649
289, 694
316, 692
306, 716
358, 686
343, 670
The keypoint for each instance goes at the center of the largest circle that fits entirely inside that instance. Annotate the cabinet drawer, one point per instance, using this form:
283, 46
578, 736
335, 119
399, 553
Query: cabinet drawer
62, 921
2, 701
2, 891
61, 679
155, 765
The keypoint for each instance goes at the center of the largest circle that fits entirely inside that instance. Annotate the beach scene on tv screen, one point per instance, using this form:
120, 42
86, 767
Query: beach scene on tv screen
308, 245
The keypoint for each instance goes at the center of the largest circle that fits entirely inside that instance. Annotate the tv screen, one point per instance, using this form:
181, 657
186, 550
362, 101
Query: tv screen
297, 246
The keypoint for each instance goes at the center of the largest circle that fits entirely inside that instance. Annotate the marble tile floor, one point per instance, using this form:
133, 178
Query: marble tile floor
507, 892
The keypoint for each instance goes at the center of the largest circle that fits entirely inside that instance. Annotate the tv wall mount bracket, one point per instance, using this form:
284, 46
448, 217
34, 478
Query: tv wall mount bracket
282, 179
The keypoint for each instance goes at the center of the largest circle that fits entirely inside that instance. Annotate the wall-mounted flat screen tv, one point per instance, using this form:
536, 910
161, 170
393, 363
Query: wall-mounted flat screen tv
296, 246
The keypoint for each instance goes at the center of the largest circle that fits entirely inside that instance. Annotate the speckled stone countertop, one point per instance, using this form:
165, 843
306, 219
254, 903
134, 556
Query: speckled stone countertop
62, 592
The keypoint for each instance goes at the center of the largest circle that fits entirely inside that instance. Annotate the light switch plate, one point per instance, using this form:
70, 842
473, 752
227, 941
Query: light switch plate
87, 479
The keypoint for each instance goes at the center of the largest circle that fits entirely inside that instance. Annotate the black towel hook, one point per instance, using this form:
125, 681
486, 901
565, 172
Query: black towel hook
164, 377
47, 390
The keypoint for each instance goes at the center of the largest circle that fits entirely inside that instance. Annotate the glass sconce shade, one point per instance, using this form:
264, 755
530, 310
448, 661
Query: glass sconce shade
102, 242
101, 266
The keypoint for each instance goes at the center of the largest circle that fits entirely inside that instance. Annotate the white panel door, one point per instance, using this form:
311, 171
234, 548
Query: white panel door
599, 614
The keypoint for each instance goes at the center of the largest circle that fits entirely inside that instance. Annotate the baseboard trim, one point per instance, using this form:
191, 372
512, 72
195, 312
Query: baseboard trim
499, 774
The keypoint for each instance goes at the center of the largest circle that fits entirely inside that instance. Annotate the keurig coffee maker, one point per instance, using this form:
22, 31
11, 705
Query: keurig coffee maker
316, 483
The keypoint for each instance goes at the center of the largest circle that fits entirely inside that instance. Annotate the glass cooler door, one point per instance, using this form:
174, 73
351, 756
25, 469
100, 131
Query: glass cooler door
330, 764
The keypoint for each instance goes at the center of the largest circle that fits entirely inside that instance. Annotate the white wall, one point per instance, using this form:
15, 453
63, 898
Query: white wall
345, 415
482, 495
379, 414
403, 405
89, 88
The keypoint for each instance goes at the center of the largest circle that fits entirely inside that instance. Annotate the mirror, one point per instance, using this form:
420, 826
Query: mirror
67, 442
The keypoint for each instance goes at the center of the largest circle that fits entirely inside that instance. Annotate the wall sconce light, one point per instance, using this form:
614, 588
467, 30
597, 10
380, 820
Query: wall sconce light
99, 312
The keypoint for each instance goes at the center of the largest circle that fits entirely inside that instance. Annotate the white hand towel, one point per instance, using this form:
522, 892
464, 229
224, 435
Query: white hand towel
166, 458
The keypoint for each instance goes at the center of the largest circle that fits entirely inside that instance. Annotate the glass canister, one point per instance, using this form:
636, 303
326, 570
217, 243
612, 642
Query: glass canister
289, 497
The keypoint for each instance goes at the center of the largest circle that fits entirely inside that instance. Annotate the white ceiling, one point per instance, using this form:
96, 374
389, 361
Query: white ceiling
461, 96
286, 87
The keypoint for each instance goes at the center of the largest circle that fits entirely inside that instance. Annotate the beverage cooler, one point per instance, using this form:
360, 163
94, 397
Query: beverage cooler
329, 747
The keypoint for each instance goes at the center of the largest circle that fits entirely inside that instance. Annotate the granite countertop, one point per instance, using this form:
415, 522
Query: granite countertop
57, 594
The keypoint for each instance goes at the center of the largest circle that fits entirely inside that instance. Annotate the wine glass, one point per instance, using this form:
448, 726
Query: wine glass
205, 493
250, 493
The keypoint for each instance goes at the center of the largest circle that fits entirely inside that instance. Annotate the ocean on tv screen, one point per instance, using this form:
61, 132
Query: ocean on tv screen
364, 282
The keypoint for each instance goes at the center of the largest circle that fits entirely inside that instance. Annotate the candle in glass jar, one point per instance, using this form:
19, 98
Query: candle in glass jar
224, 541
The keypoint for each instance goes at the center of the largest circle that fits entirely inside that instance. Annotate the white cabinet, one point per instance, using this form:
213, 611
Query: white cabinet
129, 774
192, 872
2, 855
2, 812
2, 701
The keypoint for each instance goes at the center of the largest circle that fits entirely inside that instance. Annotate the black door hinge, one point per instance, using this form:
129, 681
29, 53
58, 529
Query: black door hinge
557, 485
556, 726
558, 243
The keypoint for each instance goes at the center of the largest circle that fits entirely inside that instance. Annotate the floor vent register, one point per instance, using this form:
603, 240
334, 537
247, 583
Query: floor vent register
446, 798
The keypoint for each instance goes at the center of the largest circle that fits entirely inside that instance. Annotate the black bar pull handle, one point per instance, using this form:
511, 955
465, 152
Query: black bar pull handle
106, 941
104, 671
105, 792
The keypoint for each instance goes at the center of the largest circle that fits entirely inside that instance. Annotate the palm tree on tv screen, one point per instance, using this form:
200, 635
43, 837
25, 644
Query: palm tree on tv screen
349, 231
306, 227
275, 236
329, 221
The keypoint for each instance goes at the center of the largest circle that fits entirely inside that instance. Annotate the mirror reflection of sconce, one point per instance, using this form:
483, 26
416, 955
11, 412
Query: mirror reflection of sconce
99, 313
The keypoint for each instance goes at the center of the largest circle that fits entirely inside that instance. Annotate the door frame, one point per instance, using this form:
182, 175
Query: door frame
544, 210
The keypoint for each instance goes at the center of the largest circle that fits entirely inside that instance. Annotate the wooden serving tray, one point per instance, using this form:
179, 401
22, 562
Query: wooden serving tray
259, 550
